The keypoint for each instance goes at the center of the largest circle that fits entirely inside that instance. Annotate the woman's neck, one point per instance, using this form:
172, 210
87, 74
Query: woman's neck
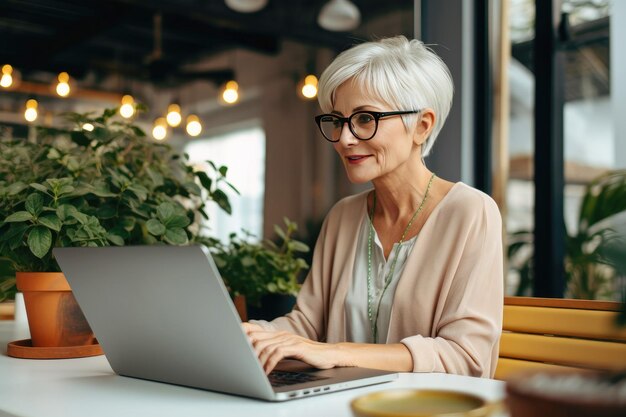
399, 193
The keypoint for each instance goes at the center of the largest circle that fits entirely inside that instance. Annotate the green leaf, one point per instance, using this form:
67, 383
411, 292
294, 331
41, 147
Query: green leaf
20, 216
14, 234
223, 170
40, 187
176, 236
138, 132
165, 211
73, 164
155, 227
34, 204
177, 221
115, 239
298, 246
204, 180
51, 221
157, 178
279, 232
66, 189
222, 200
66, 212
192, 188
39, 241
106, 211
101, 190
139, 190
128, 223
16, 188
53, 154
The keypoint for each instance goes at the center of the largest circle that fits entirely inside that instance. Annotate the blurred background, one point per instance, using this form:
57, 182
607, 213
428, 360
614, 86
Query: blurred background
242, 74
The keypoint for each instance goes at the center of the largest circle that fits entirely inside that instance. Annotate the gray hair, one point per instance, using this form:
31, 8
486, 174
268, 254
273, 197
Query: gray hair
403, 74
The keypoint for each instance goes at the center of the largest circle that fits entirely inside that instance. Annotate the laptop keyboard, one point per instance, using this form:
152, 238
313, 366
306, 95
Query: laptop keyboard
282, 378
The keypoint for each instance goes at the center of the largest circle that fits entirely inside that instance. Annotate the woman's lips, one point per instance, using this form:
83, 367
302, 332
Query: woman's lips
356, 159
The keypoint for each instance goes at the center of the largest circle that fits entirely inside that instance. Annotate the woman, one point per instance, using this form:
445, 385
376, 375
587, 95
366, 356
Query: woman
407, 276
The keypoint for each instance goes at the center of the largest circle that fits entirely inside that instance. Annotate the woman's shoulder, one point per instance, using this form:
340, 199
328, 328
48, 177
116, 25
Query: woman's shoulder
465, 201
350, 205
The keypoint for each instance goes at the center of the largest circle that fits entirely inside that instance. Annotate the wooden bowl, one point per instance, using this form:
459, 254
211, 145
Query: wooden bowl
566, 394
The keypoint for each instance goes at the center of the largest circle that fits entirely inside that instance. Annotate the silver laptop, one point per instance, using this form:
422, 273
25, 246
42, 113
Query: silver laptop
162, 313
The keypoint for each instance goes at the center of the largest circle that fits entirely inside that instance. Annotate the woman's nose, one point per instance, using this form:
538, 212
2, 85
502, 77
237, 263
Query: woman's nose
346, 137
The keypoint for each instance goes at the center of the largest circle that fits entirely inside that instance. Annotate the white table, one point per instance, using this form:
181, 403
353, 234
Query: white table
88, 387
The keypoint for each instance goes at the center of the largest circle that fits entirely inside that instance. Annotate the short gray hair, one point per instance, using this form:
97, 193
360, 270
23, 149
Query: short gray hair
406, 75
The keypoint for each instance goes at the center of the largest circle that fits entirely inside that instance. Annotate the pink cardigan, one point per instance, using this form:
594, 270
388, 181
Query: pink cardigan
447, 308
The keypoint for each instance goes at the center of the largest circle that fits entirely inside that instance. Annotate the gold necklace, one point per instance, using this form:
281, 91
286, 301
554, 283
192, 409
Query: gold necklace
374, 322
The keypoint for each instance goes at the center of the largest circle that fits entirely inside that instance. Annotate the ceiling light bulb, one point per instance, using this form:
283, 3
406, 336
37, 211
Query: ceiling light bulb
194, 127
231, 92
246, 6
63, 87
159, 131
88, 127
173, 115
30, 115
31, 110
7, 79
63, 77
127, 109
309, 89
339, 16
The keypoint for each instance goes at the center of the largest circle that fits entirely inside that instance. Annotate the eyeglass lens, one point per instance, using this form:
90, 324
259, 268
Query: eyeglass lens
362, 125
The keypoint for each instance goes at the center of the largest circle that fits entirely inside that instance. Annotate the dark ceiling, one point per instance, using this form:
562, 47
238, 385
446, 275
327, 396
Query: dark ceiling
121, 36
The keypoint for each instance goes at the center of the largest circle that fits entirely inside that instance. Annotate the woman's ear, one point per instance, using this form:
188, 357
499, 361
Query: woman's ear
425, 125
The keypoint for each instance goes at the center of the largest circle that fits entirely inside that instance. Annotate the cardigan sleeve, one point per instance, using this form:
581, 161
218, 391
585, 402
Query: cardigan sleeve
309, 316
468, 331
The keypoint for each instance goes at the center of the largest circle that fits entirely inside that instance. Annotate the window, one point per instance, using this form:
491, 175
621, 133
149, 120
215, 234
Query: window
243, 152
581, 89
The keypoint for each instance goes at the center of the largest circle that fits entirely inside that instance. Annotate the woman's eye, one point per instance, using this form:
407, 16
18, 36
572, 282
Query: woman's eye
364, 118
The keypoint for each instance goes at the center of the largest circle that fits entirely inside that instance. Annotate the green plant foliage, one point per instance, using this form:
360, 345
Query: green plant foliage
254, 269
109, 186
594, 255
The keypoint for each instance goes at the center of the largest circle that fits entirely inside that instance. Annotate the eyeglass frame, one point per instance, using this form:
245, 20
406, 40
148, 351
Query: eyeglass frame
343, 120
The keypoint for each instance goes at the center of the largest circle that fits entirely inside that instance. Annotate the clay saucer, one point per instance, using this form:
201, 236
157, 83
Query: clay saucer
24, 349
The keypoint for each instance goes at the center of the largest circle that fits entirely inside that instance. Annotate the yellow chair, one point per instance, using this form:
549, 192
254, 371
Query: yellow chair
552, 334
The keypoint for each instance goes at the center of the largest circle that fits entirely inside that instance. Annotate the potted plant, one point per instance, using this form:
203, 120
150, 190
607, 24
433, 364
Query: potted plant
103, 185
592, 253
266, 273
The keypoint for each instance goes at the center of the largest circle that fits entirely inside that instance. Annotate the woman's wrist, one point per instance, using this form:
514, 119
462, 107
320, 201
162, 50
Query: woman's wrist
344, 354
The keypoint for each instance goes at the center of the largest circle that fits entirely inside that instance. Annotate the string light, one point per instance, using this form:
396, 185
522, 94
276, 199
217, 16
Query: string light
88, 127
31, 110
309, 89
127, 109
7, 78
230, 95
159, 131
194, 127
63, 87
173, 115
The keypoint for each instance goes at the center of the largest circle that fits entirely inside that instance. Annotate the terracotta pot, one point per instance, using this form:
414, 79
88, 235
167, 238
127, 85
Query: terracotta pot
240, 305
54, 317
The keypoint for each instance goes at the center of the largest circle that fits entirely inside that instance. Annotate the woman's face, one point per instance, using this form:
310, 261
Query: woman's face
389, 149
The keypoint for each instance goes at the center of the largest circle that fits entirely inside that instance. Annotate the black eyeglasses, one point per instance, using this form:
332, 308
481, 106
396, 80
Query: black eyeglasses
362, 124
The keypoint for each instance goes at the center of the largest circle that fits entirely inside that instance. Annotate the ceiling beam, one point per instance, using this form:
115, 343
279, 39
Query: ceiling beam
42, 89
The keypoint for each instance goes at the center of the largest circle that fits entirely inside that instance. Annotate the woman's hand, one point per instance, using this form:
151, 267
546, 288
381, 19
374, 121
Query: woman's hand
273, 346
